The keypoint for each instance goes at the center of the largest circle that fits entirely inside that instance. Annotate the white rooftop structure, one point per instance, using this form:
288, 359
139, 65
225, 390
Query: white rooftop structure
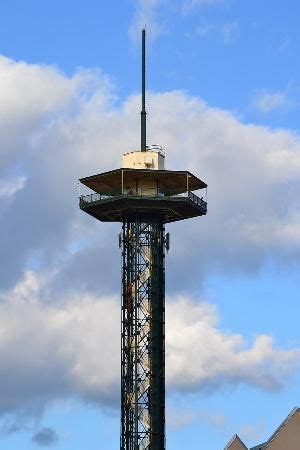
153, 158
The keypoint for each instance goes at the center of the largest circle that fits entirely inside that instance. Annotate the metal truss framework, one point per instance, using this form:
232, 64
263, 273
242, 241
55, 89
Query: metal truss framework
143, 334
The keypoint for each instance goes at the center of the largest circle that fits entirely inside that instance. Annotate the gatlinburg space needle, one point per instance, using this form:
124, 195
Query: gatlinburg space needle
143, 196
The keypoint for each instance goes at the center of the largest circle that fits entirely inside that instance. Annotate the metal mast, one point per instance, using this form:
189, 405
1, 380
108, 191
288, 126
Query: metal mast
143, 112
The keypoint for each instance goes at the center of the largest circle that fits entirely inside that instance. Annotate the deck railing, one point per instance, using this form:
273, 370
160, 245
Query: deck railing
95, 198
195, 199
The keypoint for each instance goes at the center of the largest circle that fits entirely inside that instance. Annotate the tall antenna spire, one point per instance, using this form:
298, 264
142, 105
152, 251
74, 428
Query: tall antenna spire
143, 112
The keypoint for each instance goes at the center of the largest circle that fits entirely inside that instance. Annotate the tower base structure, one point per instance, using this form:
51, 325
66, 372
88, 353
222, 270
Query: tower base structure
143, 341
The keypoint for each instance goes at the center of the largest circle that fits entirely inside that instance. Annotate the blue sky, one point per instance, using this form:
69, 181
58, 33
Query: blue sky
224, 93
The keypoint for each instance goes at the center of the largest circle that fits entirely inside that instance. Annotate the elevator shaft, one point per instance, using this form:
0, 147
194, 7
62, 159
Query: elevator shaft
143, 334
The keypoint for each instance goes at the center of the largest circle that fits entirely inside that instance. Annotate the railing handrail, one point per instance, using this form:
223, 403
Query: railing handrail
95, 197
156, 148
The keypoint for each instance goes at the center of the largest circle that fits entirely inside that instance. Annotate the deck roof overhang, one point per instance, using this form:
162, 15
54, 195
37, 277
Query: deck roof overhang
170, 182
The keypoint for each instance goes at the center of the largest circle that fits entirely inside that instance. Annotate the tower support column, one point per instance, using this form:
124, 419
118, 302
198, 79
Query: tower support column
143, 334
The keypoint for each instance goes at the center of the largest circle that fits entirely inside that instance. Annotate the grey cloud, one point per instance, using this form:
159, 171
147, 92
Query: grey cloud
71, 350
95, 268
45, 437
252, 173
41, 365
12, 424
63, 310
37, 223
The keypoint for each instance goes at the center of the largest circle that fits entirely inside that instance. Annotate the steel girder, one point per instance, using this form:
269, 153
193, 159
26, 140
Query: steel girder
143, 335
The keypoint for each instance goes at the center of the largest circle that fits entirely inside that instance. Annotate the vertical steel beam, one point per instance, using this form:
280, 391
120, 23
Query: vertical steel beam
157, 339
143, 335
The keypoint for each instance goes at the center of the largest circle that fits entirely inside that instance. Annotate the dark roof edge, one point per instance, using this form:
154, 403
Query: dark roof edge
286, 420
232, 440
261, 446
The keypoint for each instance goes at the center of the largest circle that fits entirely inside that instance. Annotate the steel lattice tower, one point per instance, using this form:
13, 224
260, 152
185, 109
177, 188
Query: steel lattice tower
144, 197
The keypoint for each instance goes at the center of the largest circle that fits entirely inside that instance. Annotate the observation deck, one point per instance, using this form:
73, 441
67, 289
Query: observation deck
126, 192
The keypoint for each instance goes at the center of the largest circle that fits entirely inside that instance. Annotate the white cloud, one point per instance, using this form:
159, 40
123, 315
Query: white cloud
29, 94
252, 173
284, 45
51, 338
227, 31
252, 432
70, 348
266, 102
199, 355
178, 418
189, 5
34, 96
56, 351
10, 187
146, 15
39, 108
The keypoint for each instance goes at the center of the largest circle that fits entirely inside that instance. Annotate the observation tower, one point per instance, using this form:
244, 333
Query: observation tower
143, 196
